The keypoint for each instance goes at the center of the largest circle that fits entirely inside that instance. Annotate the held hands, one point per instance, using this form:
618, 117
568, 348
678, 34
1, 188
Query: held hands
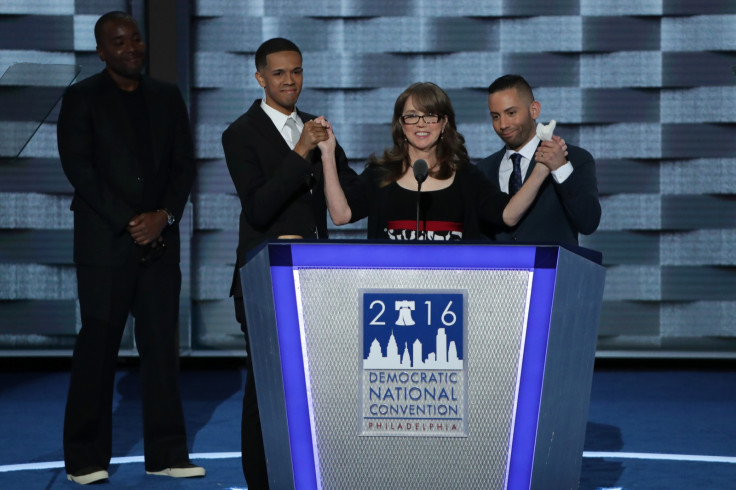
552, 153
337, 204
327, 147
314, 132
144, 228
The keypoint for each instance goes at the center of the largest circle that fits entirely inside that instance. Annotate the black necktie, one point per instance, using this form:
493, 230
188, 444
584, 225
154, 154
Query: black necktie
515, 178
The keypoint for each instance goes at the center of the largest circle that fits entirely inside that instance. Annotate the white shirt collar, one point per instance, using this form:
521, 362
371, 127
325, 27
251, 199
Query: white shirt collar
279, 118
527, 151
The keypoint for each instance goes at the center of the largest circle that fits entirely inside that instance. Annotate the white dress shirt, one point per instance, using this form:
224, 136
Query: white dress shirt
279, 120
527, 153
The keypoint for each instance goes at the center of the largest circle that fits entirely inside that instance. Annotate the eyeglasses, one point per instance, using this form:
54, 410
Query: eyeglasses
414, 119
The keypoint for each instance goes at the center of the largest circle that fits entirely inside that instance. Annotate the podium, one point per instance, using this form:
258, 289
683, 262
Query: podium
422, 365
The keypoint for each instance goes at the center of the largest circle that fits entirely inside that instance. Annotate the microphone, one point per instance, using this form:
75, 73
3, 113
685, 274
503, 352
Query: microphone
421, 170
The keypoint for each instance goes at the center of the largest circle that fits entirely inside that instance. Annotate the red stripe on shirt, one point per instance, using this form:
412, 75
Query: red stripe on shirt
406, 224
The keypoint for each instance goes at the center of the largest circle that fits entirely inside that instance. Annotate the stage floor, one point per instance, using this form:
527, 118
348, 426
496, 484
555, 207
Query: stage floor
657, 425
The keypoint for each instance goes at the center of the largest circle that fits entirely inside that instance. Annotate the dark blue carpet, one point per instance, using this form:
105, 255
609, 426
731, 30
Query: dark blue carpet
31, 418
662, 408
639, 411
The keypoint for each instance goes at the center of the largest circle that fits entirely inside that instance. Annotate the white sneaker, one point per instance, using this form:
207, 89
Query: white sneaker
88, 475
184, 470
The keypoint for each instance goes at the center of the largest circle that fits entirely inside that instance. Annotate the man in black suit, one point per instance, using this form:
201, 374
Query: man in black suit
282, 161
126, 148
567, 203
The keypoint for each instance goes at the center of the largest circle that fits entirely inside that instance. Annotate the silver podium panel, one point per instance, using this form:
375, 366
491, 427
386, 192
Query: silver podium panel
307, 331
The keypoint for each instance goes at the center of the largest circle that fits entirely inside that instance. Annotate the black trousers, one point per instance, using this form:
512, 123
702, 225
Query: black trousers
106, 296
251, 437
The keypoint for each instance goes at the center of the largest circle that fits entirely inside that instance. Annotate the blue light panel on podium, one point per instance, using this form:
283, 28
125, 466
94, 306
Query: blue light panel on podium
287, 258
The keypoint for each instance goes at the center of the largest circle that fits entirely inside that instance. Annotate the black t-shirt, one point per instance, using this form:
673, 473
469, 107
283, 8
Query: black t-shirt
441, 213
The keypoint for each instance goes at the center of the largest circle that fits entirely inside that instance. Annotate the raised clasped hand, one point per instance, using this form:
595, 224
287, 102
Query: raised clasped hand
326, 146
314, 132
552, 153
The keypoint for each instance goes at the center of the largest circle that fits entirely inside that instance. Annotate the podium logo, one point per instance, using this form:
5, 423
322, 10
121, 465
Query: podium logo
405, 308
413, 376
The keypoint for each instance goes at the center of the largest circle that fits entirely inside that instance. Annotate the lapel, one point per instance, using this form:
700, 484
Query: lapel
265, 126
304, 116
269, 131
155, 119
273, 140
314, 154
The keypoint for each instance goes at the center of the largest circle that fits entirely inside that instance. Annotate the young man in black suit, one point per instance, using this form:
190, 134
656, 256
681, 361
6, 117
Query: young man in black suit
567, 203
281, 161
126, 148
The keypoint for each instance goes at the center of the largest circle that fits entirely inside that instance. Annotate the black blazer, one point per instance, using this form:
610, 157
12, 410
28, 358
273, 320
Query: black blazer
96, 148
560, 211
274, 183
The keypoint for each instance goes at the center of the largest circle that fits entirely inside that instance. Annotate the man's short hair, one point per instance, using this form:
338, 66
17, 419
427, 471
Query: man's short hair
511, 81
271, 46
108, 17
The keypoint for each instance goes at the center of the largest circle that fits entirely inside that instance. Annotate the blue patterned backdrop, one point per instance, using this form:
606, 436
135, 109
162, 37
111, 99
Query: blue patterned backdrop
646, 86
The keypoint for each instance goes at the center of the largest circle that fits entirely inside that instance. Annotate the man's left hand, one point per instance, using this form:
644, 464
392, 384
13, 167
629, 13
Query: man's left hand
552, 154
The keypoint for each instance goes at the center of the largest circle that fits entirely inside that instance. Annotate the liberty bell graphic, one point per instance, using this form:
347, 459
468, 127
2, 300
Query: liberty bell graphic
405, 308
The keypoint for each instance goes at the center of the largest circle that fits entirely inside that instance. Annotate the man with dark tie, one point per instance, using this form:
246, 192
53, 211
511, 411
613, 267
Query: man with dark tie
567, 204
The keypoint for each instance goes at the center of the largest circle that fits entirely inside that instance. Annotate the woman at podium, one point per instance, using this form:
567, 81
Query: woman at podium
424, 186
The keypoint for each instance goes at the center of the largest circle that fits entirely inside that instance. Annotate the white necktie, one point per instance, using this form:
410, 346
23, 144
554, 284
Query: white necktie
293, 132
